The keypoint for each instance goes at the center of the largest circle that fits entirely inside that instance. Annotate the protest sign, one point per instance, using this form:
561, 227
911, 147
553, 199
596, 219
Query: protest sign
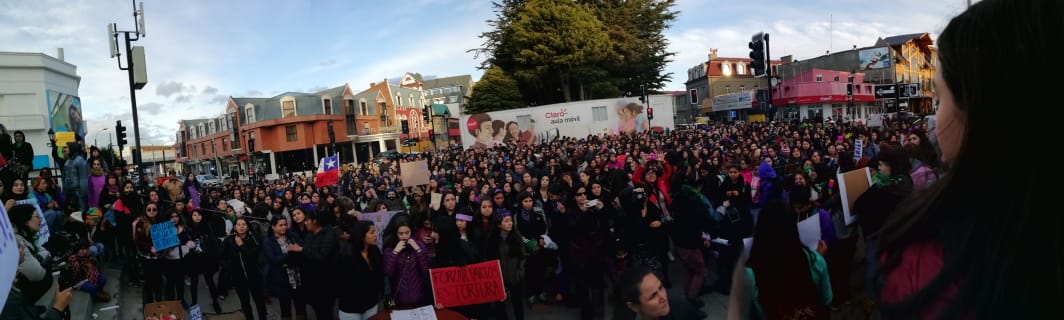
8, 255
437, 198
423, 313
414, 173
809, 231
380, 221
194, 313
472, 284
853, 184
858, 148
163, 235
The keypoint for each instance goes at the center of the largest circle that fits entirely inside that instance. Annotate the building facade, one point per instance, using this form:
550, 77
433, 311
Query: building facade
382, 111
725, 76
39, 92
900, 67
818, 94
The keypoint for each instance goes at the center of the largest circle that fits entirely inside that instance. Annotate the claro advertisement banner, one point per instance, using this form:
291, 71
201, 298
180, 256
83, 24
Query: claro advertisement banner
573, 119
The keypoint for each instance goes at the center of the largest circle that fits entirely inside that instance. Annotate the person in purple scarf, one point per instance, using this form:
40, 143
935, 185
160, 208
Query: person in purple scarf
97, 180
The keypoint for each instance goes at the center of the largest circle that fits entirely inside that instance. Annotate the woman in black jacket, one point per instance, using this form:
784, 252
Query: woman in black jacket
319, 274
242, 252
204, 258
451, 251
363, 274
283, 277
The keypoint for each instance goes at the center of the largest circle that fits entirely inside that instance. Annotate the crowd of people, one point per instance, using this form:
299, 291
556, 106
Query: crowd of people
596, 221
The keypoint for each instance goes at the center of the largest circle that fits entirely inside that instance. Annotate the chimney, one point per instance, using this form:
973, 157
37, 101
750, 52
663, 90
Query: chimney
712, 53
59, 54
371, 84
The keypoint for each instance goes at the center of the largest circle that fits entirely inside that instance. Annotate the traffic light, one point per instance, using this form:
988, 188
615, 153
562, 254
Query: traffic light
425, 114
120, 131
849, 86
650, 113
757, 54
406, 127
432, 133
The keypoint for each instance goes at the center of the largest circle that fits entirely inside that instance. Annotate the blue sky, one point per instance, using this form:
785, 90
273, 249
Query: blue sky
200, 52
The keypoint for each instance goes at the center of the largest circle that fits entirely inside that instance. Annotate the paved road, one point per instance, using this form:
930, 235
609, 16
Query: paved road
128, 302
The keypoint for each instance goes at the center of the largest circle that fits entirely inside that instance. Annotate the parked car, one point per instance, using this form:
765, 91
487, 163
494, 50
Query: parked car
208, 180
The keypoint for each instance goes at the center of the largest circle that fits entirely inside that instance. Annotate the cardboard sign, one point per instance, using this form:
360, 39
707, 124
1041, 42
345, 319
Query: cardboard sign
853, 184
163, 236
380, 221
437, 199
8, 255
414, 173
423, 313
164, 310
472, 284
809, 231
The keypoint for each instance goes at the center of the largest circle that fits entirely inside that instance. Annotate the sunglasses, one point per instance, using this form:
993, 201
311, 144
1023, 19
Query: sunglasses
581, 194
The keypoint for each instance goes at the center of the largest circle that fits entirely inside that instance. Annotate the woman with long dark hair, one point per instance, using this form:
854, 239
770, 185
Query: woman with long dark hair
363, 271
783, 279
961, 249
283, 277
451, 251
406, 261
173, 260
204, 258
148, 256
242, 252
506, 244
319, 251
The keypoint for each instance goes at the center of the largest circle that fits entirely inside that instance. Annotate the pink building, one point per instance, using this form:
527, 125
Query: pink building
819, 93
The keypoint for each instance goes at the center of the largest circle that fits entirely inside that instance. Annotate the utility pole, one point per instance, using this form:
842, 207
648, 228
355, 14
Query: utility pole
136, 70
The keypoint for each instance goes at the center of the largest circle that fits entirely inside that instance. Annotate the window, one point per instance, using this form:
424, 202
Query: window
249, 111
225, 145
327, 107
725, 69
727, 89
398, 99
349, 106
365, 128
452, 99
203, 148
742, 88
819, 78
288, 107
740, 69
363, 111
291, 134
598, 113
836, 78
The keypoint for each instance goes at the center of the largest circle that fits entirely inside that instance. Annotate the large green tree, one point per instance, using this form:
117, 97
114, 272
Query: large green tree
495, 91
538, 42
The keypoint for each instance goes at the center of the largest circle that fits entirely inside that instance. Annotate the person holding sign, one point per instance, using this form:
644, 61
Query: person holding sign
976, 244
507, 245
891, 184
782, 277
451, 251
151, 268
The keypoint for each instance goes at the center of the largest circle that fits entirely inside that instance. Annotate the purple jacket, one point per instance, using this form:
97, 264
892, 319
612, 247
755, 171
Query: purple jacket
827, 228
407, 271
96, 184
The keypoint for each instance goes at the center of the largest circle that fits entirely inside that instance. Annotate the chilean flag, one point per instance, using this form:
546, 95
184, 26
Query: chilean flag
328, 173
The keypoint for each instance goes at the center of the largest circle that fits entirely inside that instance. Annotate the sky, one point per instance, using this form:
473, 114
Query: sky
200, 52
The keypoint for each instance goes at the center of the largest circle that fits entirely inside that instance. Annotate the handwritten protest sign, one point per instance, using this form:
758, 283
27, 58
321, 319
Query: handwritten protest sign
414, 173
8, 255
437, 198
809, 231
472, 284
163, 235
853, 184
380, 221
858, 148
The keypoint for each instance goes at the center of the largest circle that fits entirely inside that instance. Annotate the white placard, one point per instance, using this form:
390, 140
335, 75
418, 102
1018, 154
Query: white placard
809, 231
8, 255
423, 313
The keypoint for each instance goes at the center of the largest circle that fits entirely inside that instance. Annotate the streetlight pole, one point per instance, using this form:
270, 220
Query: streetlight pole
130, 36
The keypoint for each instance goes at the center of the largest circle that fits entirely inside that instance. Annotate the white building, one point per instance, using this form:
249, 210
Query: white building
39, 92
